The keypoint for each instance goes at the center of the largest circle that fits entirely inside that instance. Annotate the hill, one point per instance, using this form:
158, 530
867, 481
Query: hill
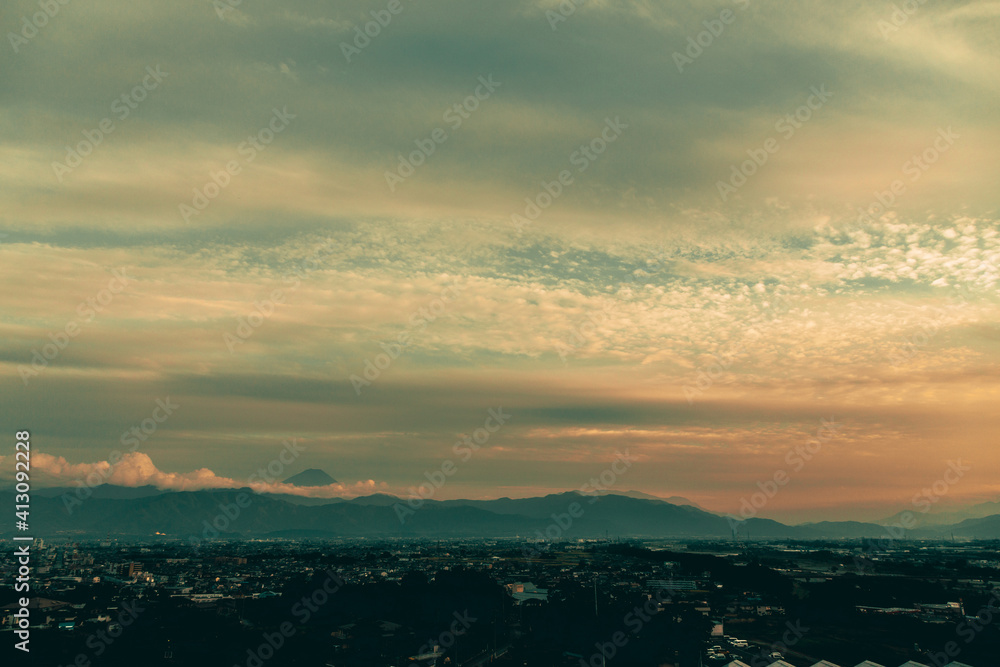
571, 515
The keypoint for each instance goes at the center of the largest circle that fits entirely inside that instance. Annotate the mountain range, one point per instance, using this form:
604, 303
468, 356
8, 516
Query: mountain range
146, 511
943, 518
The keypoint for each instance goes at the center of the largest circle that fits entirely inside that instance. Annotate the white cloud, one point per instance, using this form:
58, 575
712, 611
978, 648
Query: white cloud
137, 469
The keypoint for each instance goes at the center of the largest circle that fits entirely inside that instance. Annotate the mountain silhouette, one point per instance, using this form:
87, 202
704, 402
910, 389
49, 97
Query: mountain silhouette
241, 513
310, 477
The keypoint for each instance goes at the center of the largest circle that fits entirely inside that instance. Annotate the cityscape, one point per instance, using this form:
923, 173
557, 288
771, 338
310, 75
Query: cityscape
225, 597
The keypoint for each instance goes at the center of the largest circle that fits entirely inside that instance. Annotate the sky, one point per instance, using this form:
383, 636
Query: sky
741, 241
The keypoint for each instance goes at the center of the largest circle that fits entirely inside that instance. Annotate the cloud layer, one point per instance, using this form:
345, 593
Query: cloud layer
135, 469
603, 292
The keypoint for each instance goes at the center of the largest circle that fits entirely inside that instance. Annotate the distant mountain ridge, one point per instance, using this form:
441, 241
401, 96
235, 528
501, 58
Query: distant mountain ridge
569, 515
108, 491
673, 500
944, 517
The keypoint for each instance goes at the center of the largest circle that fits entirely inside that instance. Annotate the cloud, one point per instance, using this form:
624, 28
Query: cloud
634, 283
136, 469
686, 129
